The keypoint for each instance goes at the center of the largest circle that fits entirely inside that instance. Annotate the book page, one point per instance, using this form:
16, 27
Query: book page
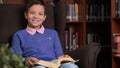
55, 63
47, 64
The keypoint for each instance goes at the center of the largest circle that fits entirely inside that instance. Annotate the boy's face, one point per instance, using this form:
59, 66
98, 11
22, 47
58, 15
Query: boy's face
35, 16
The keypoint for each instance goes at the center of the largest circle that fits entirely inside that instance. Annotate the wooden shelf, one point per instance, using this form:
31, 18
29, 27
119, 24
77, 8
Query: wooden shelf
116, 18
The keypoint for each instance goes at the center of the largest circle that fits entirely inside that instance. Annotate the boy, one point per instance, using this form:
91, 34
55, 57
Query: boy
35, 42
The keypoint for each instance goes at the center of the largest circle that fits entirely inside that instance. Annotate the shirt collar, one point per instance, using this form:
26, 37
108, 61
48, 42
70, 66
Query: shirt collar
33, 31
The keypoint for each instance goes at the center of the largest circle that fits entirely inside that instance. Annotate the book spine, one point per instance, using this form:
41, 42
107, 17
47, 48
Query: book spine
116, 47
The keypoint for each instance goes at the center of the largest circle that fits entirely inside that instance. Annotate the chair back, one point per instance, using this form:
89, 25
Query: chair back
87, 55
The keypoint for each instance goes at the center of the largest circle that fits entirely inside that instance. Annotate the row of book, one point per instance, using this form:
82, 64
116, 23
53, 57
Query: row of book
71, 39
93, 37
94, 12
98, 12
72, 12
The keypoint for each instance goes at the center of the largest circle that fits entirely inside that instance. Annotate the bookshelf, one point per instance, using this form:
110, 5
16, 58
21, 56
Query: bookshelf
75, 22
115, 19
93, 25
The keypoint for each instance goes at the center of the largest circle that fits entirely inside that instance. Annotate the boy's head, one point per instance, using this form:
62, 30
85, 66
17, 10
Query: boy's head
35, 2
35, 13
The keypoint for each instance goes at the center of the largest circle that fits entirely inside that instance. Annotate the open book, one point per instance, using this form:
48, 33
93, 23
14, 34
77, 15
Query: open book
55, 63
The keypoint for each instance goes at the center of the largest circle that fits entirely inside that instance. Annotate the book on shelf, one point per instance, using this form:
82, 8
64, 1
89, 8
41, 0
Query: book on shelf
116, 47
66, 40
55, 63
72, 12
118, 8
76, 12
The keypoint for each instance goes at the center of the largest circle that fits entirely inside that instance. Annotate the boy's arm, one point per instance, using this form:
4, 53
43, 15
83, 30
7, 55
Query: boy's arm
64, 56
16, 47
57, 45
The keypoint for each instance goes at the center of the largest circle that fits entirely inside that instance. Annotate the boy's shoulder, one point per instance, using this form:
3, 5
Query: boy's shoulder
50, 30
20, 31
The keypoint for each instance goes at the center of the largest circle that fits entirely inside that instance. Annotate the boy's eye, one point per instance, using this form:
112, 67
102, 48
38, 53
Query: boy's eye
32, 12
35, 13
41, 13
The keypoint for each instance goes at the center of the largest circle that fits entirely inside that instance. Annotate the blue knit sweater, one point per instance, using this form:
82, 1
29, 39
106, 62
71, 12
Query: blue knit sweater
45, 46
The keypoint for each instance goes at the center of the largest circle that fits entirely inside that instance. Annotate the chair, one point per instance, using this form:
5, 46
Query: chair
12, 19
87, 55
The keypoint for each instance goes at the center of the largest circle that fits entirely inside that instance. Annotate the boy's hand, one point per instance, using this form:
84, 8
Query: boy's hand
64, 56
30, 61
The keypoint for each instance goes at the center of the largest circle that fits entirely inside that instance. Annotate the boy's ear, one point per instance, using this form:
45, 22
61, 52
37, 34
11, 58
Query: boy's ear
45, 17
25, 14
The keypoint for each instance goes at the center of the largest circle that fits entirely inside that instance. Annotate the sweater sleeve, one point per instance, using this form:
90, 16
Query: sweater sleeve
58, 46
16, 47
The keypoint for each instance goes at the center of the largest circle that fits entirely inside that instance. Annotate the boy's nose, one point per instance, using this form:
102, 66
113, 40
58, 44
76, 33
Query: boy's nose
36, 15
